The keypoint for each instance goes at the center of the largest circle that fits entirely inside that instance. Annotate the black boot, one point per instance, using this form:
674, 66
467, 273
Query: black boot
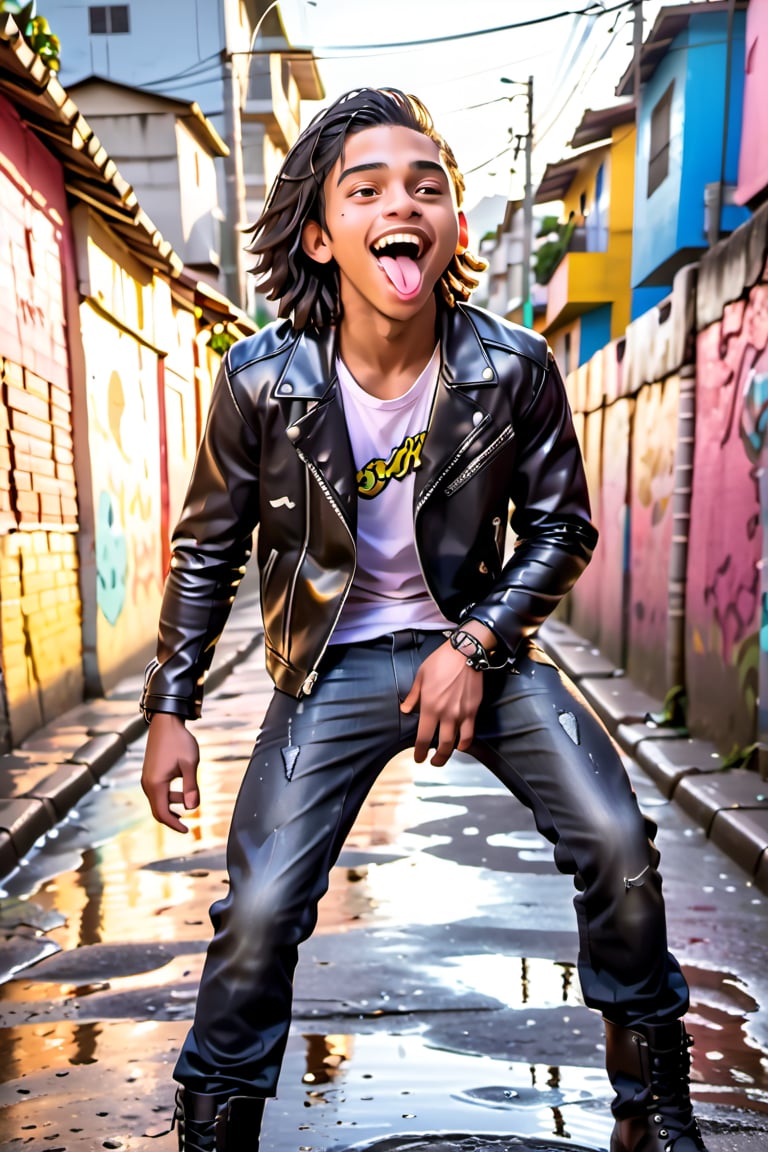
217, 1123
649, 1067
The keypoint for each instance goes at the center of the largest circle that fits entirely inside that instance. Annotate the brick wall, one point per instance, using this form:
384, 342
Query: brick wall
40, 612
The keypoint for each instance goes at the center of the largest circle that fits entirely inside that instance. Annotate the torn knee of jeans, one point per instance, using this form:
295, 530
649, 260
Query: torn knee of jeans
636, 881
569, 725
290, 755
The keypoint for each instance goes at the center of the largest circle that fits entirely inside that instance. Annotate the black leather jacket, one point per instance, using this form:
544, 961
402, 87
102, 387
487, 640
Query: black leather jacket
275, 454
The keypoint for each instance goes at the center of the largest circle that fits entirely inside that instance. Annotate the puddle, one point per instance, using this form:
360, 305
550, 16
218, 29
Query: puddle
462, 1013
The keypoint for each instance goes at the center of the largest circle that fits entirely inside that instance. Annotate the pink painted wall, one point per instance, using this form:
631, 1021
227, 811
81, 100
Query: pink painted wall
654, 441
586, 603
40, 603
723, 605
753, 159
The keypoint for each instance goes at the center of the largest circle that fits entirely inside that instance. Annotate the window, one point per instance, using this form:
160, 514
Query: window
106, 18
658, 158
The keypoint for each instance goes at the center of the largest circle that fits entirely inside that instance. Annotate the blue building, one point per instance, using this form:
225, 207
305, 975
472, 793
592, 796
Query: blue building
691, 74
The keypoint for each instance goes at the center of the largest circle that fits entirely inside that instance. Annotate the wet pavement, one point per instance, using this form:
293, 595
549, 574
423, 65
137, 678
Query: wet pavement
437, 1004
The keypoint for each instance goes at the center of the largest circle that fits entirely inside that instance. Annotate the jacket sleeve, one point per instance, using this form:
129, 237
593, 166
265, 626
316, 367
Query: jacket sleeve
550, 518
210, 548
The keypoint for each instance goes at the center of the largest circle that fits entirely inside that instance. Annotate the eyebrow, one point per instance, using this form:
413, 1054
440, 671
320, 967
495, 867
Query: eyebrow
375, 166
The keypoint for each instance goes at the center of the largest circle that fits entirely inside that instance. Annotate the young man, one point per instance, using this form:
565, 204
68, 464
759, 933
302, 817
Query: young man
377, 437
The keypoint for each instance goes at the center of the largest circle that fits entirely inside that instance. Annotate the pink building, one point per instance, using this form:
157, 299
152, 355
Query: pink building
752, 188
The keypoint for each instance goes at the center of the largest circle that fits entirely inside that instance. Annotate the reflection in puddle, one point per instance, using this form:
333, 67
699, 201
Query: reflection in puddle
129, 916
400, 1084
518, 982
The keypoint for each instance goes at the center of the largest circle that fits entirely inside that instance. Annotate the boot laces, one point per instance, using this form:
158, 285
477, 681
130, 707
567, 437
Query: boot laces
670, 1101
194, 1135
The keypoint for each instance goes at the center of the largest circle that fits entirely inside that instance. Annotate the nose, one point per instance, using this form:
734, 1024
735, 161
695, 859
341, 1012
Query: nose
401, 202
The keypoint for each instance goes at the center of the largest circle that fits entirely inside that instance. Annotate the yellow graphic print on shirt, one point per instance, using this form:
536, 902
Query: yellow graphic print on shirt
376, 474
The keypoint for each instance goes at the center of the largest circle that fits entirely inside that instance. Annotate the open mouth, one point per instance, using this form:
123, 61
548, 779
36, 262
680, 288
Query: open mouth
398, 254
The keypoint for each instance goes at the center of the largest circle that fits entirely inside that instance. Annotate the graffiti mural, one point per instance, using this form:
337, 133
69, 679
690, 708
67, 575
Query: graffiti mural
123, 426
111, 560
725, 598
654, 443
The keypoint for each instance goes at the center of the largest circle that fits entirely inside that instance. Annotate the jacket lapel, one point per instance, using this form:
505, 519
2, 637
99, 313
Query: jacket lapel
458, 416
308, 390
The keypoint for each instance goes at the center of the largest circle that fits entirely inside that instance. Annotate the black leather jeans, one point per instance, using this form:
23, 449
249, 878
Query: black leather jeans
312, 767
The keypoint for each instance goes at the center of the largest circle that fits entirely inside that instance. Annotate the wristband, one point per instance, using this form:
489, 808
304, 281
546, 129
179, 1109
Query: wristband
476, 656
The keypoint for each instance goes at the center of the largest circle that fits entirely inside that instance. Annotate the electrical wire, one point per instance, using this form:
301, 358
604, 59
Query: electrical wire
200, 66
588, 11
490, 160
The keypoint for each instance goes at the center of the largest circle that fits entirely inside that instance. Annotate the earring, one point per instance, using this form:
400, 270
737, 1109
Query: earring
463, 240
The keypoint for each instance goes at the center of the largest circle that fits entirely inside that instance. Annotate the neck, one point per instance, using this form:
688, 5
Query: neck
385, 356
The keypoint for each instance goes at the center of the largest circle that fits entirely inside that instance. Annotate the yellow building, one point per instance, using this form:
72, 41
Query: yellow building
586, 260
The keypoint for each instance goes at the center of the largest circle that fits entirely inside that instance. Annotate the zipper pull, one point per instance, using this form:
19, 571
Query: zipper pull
309, 683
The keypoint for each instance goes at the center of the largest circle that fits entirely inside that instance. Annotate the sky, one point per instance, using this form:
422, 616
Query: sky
575, 60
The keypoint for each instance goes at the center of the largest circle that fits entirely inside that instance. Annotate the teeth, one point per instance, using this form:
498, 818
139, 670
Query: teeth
398, 238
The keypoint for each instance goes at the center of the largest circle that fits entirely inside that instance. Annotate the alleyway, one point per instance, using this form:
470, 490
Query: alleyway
438, 997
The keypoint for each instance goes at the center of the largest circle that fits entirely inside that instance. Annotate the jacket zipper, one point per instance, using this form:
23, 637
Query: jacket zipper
480, 461
456, 456
268, 567
428, 492
311, 678
288, 612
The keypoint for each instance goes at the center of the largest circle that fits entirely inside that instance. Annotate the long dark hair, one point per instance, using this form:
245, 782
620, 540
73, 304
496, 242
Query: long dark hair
307, 291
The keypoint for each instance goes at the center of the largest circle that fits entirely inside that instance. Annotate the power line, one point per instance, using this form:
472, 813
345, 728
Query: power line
595, 9
193, 69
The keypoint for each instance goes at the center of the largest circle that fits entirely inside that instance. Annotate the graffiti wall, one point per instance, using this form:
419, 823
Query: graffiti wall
679, 593
652, 460
123, 438
726, 540
40, 608
597, 606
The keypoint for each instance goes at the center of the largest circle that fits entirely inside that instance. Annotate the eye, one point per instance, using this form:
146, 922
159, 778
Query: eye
430, 190
364, 193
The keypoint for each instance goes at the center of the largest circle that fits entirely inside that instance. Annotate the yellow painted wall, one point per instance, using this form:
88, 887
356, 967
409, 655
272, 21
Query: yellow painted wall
138, 349
599, 277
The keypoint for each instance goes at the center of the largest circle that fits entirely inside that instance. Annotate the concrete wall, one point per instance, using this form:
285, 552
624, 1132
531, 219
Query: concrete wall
104, 383
673, 419
137, 436
40, 606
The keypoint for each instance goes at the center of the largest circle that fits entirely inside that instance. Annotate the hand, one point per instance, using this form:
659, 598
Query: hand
447, 693
171, 753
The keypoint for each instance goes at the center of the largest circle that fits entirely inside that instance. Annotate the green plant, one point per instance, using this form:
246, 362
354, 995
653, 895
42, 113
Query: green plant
673, 710
220, 339
549, 254
36, 31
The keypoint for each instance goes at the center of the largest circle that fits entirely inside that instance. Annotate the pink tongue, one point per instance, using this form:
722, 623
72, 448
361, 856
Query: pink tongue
404, 273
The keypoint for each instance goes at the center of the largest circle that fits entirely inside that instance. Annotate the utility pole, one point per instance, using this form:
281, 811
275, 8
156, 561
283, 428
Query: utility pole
232, 259
525, 288
637, 44
528, 212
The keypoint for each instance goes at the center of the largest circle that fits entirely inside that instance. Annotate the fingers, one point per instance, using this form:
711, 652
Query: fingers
412, 698
424, 734
191, 793
466, 734
446, 743
172, 754
160, 798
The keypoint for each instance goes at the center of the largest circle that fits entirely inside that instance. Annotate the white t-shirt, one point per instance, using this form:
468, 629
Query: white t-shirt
387, 436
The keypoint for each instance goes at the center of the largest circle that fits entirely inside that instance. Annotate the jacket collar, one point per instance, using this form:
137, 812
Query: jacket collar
315, 418
310, 371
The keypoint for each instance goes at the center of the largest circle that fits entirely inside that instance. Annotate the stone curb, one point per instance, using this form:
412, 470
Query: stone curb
730, 804
54, 767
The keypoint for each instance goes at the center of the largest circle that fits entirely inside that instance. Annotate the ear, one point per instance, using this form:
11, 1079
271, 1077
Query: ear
315, 243
463, 241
